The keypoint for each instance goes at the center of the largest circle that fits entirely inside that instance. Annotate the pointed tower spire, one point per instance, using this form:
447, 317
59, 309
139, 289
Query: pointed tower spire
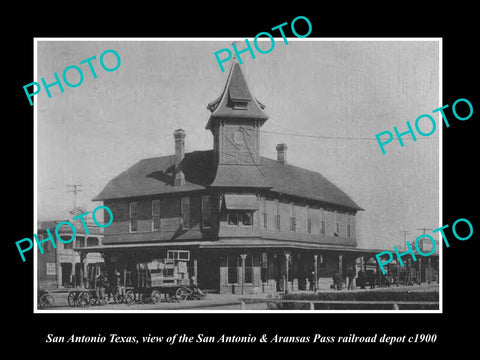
236, 101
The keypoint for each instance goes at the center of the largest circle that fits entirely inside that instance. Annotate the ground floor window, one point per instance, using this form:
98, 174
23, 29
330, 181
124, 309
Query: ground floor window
233, 262
264, 268
248, 269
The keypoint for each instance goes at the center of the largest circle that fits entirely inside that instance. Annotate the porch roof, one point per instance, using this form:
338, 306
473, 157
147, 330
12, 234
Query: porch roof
233, 243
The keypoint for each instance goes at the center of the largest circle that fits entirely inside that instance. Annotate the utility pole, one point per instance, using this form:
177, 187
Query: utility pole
404, 239
419, 278
421, 240
75, 188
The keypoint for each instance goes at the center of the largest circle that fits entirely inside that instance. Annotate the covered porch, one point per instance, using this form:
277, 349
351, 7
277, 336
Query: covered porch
278, 266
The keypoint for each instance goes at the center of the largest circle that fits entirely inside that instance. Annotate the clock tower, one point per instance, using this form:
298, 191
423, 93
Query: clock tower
235, 120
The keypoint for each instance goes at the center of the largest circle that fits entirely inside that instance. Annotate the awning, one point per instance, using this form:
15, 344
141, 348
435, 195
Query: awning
241, 202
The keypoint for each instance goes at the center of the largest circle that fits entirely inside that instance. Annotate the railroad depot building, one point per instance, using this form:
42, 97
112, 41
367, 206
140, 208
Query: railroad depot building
241, 222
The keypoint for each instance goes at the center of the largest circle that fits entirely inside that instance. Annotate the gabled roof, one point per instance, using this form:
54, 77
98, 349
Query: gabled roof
293, 180
240, 176
236, 100
155, 176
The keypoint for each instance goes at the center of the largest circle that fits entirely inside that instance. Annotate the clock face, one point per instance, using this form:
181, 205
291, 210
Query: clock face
239, 146
238, 137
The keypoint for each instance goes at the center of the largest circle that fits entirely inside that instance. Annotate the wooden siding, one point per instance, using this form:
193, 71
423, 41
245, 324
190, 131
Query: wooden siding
171, 222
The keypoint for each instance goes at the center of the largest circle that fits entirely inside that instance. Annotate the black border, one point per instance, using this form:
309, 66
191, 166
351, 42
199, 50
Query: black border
456, 27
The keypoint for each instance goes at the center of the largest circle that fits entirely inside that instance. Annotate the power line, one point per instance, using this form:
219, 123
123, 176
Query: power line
336, 137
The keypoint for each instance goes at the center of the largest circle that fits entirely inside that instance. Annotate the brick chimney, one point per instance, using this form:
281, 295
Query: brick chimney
179, 136
282, 153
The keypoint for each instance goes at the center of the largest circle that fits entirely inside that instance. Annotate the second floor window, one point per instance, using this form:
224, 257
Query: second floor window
293, 221
309, 221
92, 241
264, 214
80, 241
185, 208
349, 227
277, 215
133, 217
322, 223
206, 212
67, 244
240, 218
155, 214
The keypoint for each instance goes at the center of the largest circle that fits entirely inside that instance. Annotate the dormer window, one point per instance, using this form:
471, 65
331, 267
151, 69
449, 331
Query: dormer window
240, 105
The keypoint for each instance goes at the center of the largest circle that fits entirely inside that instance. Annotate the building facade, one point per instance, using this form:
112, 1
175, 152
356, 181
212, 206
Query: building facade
243, 223
61, 266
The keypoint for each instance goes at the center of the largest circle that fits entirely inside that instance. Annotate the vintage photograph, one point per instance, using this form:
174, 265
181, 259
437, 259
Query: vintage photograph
262, 188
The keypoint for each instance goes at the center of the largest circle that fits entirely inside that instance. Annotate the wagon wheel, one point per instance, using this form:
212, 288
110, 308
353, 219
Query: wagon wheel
84, 299
130, 297
181, 294
91, 296
103, 300
72, 298
144, 297
156, 296
103, 297
47, 300
169, 297
118, 298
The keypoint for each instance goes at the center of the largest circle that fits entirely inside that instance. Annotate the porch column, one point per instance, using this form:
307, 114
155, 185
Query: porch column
429, 267
85, 270
419, 276
315, 258
72, 274
340, 273
59, 268
195, 270
82, 267
287, 256
242, 257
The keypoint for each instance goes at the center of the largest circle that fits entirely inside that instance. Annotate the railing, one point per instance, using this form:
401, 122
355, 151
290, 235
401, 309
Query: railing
394, 304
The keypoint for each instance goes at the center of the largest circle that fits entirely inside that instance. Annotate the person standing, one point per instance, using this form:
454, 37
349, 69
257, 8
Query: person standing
373, 276
361, 279
119, 285
312, 281
335, 281
350, 276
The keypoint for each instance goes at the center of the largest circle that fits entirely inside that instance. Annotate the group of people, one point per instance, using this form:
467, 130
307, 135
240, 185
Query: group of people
104, 287
338, 279
362, 279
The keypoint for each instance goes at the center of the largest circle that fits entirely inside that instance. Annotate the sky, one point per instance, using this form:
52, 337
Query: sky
342, 89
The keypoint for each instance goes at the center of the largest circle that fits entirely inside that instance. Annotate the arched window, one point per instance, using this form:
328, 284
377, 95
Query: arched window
67, 244
92, 241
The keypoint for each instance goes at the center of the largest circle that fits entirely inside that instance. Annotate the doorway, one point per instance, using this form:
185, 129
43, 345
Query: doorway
66, 274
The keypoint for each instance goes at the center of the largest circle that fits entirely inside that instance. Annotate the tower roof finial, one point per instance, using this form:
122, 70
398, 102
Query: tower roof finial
234, 42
